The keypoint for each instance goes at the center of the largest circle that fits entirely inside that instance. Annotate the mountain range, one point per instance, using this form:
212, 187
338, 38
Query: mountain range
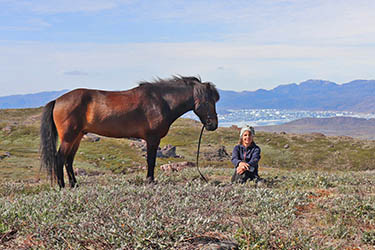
29, 100
321, 95
357, 96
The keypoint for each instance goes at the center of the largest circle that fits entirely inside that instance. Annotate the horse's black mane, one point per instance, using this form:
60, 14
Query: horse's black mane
184, 81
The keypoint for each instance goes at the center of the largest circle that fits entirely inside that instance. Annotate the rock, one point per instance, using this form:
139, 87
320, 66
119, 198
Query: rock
177, 166
83, 172
4, 155
218, 154
80, 172
212, 241
222, 245
221, 152
91, 137
316, 134
167, 152
139, 143
142, 167
7, 129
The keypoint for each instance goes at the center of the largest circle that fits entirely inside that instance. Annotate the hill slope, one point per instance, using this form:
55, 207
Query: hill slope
19, 143
335, 126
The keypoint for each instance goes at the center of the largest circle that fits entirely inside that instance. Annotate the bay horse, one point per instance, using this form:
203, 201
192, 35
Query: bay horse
145, 112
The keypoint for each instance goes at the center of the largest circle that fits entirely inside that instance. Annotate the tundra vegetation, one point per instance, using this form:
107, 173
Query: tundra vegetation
319, 194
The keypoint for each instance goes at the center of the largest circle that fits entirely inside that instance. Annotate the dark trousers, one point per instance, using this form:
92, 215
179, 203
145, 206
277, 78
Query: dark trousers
242, 178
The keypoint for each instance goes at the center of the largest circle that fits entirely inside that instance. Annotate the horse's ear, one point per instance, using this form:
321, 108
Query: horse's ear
211, 89
199, 78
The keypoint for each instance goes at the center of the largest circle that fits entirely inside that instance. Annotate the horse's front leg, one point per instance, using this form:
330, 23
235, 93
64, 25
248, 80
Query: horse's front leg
152, 147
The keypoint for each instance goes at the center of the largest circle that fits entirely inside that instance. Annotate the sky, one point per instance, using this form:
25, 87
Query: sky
48, 45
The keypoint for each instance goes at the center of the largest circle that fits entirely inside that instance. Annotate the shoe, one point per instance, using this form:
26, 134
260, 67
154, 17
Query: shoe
260, 180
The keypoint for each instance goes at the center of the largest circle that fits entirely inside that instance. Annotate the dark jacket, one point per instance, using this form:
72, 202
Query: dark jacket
252, 155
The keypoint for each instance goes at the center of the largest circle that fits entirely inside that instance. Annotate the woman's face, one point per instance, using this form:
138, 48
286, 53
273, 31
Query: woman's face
247, 138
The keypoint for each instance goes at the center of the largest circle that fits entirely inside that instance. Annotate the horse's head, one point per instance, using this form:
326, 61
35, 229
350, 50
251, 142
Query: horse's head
205, 98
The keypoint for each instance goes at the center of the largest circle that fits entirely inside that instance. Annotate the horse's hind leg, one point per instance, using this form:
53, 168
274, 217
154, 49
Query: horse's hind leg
62, 157
69, 170
69, 162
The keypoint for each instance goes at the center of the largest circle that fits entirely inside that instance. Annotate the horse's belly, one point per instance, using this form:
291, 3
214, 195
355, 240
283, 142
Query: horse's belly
117, 128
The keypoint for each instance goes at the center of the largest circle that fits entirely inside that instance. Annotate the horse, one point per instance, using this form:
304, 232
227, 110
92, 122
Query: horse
146, 112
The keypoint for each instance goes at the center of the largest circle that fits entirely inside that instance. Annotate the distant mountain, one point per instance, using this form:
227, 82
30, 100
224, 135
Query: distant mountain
29, 100
356, 96
336, 126
321, 95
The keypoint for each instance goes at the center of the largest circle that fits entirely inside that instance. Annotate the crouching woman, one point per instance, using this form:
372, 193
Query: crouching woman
245, 157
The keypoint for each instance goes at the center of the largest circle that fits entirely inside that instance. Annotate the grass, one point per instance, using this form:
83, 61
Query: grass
297, 210
320, 194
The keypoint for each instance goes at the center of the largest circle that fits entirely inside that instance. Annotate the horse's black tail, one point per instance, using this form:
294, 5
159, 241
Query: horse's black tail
48, 140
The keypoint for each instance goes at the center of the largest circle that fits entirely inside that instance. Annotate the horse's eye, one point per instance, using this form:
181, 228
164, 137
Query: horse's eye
199, 107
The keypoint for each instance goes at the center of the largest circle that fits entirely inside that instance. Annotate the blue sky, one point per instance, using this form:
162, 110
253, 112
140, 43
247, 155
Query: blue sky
238, 45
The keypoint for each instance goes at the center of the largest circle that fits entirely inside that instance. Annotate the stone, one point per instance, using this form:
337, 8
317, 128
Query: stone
167, 151
80, 172
317, 134
218, 154
222, 245
221, 152
91, 137
83, 172
139, 143
7, 129
4, 155
177, 166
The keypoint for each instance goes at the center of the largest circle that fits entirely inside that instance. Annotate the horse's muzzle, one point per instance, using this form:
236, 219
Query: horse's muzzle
211, 125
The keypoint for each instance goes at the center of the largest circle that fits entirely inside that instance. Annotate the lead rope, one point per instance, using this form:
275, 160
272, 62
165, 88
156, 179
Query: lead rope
199, 144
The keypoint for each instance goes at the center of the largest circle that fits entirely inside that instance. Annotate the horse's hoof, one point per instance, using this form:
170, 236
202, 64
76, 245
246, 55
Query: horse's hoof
150, 180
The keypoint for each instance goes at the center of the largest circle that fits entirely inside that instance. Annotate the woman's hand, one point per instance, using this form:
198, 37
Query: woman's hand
242, 167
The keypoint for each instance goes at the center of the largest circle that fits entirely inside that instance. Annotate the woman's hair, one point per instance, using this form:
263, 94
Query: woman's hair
243, 130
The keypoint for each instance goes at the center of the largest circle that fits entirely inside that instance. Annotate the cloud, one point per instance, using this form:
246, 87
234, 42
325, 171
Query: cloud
258, 44
121, 66
75, 73
344, 22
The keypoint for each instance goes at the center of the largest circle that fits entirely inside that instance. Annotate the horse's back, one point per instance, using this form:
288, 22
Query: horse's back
102, 112
82, 98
